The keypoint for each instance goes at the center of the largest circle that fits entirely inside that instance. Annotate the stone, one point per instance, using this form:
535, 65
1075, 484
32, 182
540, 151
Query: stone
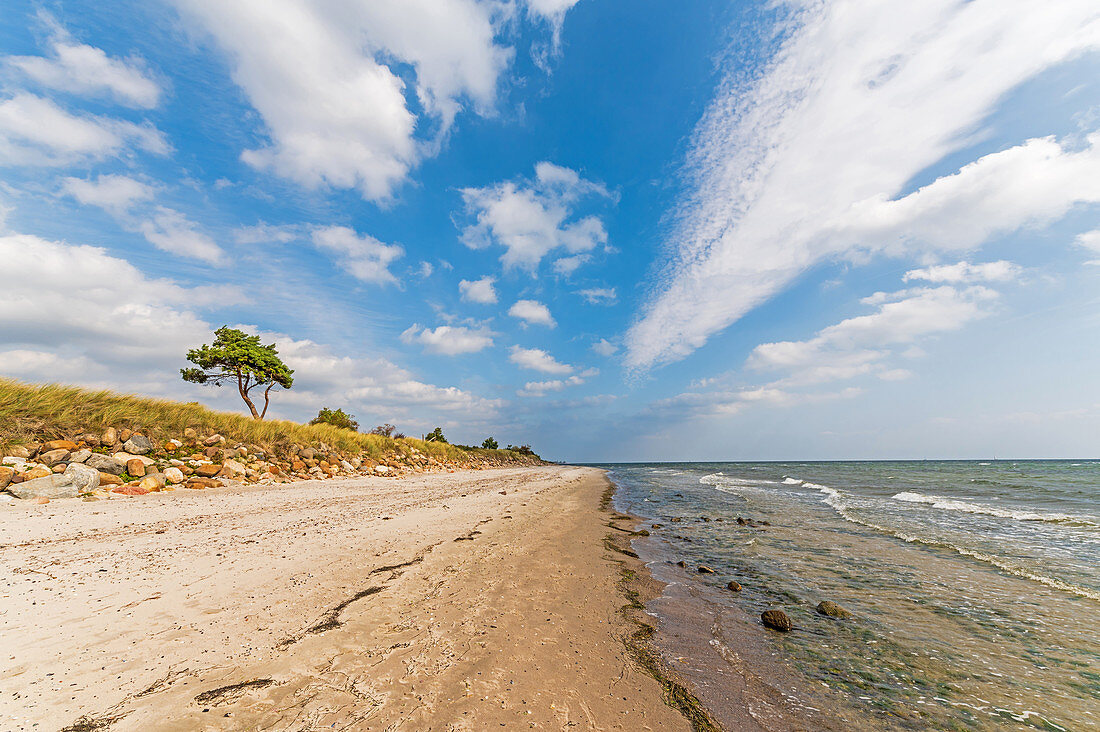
208, 471
106, 464
733, 586
776, 620
233, 469
382, 469
38, 471
200, 483
89, 439
59, 468
130, 489
173, 476
75, 480
152, 482
213, 440
42, 500
51, 458
6, 474
19, 451
67, 445
80, 456
14, 462
307, 453
109, 479
832, 610
138, 444
682, 564
126, 457
211, 452
135, 467
124, 435
704, 569
189, 433
172, 445
109, 437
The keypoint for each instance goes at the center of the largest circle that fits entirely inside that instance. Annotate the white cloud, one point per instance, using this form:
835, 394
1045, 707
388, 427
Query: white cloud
113, 193
35, 131
263, 233
449, 340
542, 388
480, 291
425, 270
599, 295
999, 271
532, 311
604, 347
553, 13
364, 257
533, 218
172, 232
537, 360
87, 70
335, 110
568, 265
802, 163
1090, 240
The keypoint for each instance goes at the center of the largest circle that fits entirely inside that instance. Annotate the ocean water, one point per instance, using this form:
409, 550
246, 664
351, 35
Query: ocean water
974, 586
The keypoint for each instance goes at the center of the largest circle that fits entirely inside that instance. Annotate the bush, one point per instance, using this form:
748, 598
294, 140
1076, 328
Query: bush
385, 430
435, 435
490, 444
336, 418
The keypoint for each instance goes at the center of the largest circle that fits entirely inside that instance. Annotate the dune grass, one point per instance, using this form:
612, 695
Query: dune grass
29, 413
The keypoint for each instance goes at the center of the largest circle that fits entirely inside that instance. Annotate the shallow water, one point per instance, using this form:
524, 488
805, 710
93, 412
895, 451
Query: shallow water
975, 586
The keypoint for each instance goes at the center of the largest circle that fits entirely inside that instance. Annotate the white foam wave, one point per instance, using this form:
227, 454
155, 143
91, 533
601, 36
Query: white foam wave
717, 479
951, 504
792, 481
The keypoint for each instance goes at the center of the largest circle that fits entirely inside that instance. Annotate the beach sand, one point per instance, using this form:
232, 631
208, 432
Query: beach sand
475, 600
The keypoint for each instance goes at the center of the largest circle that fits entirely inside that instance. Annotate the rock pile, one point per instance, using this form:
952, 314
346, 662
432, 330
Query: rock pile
127, 462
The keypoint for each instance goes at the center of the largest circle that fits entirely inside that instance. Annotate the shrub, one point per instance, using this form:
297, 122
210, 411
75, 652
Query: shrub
490, 444
337, 418
385, 430
436, 435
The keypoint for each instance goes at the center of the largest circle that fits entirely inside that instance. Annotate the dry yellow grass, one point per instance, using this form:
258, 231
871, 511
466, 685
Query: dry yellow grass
30, 413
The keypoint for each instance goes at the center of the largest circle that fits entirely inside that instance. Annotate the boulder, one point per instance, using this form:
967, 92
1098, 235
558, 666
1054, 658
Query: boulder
776, 620
172, 445
135, 467
130, 489
80, 456
200, 483
14, 462
109, 479
37, 471
307, 453
106, 464
207, 471
109, 437
19, 451
6, 474
51, 458
67, 445
704, 569
138, 444
213, 440
734, 586
832, 610
382, 469
173, 476
75, 480
189, 433
152, 482
124, 435
89, 439
126, 457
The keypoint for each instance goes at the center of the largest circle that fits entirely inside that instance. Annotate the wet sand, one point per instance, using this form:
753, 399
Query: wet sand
474, 600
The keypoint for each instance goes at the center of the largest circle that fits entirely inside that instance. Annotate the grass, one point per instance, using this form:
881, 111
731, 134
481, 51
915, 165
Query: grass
31, 413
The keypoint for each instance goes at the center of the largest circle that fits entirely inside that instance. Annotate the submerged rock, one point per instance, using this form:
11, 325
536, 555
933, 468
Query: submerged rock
832, 610
681, 563
704, 569
776, 620
733, 586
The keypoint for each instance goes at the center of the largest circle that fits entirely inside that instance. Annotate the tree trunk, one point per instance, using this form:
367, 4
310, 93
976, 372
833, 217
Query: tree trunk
267, 399
243, 389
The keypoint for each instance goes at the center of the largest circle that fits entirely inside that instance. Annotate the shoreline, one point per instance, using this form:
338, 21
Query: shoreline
446, 601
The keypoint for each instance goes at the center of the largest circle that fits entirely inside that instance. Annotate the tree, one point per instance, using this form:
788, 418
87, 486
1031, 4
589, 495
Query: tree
235, 355
436, 435
490, 444
337, 418
385, 430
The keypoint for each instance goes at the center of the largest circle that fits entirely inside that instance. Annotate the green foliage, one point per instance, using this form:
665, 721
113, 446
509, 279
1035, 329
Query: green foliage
235, 355
385, 430
436, 435
521, 449
337, 418
490, 444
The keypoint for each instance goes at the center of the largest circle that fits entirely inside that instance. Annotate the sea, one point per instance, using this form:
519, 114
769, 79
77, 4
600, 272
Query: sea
973, 589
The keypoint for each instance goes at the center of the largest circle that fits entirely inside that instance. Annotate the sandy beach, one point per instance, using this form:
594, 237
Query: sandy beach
472, 600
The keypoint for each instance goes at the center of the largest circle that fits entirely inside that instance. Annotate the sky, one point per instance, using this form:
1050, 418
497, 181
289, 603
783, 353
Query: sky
647, 231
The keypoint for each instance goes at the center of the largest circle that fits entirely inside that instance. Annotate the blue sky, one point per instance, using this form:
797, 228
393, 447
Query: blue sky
645, 231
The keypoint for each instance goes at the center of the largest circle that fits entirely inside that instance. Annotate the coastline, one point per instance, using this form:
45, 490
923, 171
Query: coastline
445, 601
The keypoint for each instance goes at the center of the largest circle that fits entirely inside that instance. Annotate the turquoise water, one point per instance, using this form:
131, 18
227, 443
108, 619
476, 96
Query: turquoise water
975, 586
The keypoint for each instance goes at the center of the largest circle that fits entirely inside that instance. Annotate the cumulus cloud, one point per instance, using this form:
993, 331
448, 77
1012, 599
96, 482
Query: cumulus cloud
172, 232
364, 257
263, 233
532, 311
537, 359
599, 295
37, 132
604, 347
113, 193
542, 388
449, 340
810, 159
86, 70
337, 110
1000, 271
530, 219
479, 291
1090, 240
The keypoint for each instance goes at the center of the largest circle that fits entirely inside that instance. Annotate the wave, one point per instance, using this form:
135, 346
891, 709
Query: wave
951, 504
716, 479
792, 481
835, 499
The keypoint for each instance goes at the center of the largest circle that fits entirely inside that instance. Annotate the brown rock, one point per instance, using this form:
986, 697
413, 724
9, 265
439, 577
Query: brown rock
38, 472
125, 435
832, 610
89, 439
52, 457
704, 569
733, 586
60, 468
135, 467
67, 445
211, 452
189, 433
19, 451
776, 620
130, 489
213, 440
200, 483
109, 437
43, 500
109, 479
153, 482
208, 471
6, 474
